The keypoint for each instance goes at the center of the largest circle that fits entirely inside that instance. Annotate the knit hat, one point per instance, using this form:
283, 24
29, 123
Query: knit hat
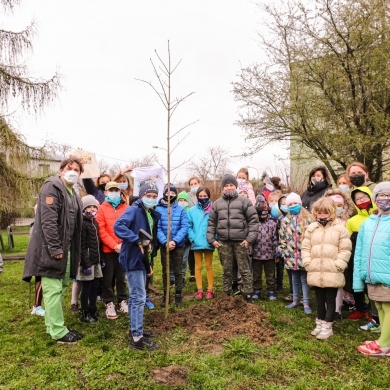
229, 179
183, 195
171, 188
147, 186
380, 188
293, 198
337, 198
112, 184
89, 200
260, 199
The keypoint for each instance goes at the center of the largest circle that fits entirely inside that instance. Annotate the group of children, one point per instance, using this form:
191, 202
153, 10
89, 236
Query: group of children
269, 232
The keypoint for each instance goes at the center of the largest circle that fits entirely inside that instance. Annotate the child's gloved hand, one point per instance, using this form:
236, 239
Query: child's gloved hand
88, 271
103, 264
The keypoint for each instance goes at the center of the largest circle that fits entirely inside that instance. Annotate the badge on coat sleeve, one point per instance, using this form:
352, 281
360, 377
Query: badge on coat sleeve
49, 200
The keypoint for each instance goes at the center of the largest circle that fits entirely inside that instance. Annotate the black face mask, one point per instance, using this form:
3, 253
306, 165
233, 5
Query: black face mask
358, 179
171, 199
323, 221
102, 186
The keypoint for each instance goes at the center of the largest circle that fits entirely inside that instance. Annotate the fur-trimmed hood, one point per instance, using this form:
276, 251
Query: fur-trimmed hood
349, 206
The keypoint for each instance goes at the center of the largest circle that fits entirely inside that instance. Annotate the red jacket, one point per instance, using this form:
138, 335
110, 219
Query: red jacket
106, 217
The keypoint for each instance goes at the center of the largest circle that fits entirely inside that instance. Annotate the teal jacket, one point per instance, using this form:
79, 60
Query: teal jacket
372, 253
198, 220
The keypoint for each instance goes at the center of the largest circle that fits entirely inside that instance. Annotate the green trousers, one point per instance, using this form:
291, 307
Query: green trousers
384, 319
53, 294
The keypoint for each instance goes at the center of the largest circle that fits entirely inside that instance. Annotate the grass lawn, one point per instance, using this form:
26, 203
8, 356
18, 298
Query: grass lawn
29, 359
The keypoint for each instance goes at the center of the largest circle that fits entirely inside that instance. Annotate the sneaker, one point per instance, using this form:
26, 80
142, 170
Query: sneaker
307, 310
178, 300
80, 336
143, 344
371, 326
279, 289
256, 294
110, 311
271, 296
74, 307
210, 294
149, 335
374, 349
249, 298
124, 307
292, 306
199, 294
326, 331
357, 315
69, 338
149, 304
38, 311
289, 298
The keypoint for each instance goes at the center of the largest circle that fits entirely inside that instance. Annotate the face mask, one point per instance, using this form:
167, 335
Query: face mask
358, 179
149, 203
71, 177
284, 208
294, 210
171, 199
194, 189
90, 213
383, 204
230, 193
323, 221
203, 201
182, 204
114, 195
365, 205
315, 180
241, 182
339, 211
102, 186
344, 187
123, 186
275, 212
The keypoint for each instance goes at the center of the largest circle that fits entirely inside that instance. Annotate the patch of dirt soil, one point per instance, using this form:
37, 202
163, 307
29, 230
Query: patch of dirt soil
171, 375
212, 324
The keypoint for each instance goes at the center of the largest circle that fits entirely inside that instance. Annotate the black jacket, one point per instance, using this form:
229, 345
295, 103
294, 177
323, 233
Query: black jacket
89, 243
313, 193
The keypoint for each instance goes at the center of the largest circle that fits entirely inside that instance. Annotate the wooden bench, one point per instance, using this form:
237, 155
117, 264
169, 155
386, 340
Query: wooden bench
11, 234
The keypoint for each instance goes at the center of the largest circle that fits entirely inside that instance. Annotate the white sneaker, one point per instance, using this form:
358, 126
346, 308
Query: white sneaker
38, 311
124, 307
110, 311
326, 331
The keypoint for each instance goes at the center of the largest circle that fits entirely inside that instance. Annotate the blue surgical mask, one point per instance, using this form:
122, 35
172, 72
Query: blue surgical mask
275, 212
113, 195
344, 187
294, 210
123, 186
284, 208
241, 182
194, 189
149, 203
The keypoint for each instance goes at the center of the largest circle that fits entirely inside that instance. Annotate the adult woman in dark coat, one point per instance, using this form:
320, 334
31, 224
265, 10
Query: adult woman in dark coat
318, 183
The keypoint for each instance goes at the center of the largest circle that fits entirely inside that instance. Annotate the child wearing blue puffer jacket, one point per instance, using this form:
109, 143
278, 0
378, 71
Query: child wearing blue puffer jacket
175, 243
198, 217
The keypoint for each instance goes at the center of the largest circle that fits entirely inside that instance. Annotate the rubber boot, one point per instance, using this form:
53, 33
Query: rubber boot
326, 331
318, 327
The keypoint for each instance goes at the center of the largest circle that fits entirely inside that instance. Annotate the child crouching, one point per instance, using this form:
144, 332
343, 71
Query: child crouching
326, 249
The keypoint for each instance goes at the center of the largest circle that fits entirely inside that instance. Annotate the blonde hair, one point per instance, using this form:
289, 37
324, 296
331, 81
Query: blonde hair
276, 194
244, 170
324, 205
194, 178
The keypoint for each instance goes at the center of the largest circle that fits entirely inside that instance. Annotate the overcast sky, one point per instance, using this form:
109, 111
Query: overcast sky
100, 48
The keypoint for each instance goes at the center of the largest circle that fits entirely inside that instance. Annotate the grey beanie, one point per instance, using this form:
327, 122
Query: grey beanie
89, 200
383, 187
228, 179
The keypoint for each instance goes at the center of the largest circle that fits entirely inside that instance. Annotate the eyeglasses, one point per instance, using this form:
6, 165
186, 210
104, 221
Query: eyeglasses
383, 196
362, 198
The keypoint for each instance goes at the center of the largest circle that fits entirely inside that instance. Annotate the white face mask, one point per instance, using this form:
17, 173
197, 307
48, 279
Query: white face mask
123, 186
71, 177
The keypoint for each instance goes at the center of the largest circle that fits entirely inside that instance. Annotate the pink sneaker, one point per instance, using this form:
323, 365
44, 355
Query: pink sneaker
373, 349
210, 294
199, 295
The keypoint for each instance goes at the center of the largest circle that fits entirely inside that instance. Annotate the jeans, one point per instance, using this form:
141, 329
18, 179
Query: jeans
299, 279
137, 295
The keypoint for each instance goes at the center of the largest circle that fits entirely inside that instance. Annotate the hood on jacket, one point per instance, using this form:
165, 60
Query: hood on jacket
349, 205
367, 191
183, 195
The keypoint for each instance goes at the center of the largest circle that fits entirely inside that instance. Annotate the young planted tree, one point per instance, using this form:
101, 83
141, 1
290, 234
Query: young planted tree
326, 85
32, 95
163, 73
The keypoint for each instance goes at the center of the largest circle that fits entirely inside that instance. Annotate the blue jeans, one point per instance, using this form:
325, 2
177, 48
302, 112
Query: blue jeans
299, 278
137, 295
